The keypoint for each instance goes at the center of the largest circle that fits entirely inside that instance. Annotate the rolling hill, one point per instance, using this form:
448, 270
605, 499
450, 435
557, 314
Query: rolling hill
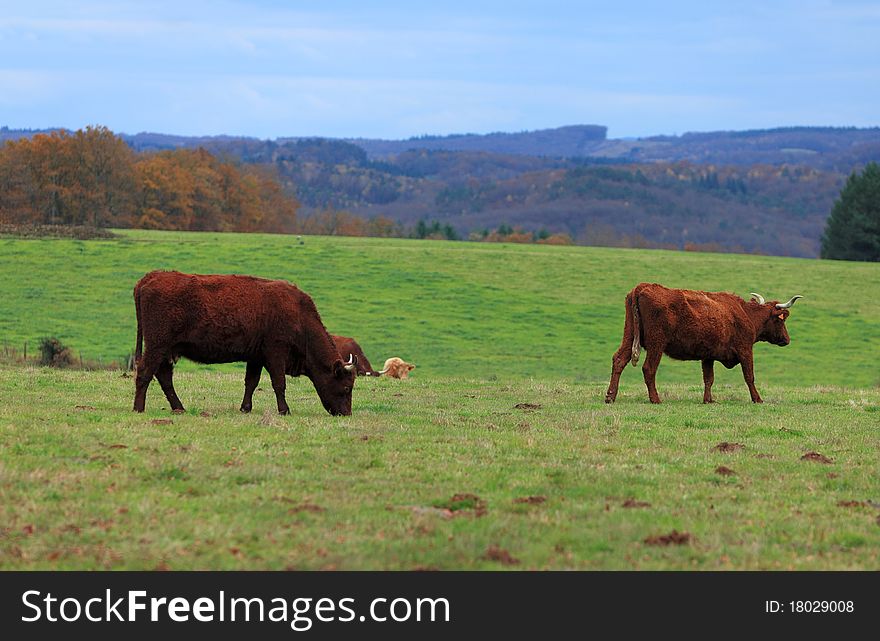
481, 310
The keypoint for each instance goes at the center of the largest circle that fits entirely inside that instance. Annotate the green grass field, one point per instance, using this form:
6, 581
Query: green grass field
426, 473
454, 309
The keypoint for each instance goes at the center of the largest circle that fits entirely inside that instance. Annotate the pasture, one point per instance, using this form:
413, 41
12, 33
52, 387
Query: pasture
497, 453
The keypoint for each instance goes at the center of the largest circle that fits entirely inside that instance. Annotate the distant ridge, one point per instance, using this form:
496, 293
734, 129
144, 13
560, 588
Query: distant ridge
831, 148
565, 142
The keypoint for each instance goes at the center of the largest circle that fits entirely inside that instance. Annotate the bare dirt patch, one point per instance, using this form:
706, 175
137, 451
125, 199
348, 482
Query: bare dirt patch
530, 500
502, 556
162, 421
726, 447
117, 446
528, 406
673, 538
633, 503
85, 408
306, 507
724, 471
852, 504
764, 456
817, 458
463, 503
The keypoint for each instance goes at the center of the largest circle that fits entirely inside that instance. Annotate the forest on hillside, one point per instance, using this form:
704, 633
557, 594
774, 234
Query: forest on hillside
92, 177
764, 208
696, 191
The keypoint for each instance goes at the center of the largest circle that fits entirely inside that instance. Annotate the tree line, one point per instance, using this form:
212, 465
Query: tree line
92, 177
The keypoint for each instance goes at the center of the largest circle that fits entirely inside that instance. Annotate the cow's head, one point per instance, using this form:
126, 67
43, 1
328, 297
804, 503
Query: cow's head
334, 386
773, 330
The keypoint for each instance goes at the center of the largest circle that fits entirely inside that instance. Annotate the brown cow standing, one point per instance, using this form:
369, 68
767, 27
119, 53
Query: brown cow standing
224, 319
696, 326
347, 345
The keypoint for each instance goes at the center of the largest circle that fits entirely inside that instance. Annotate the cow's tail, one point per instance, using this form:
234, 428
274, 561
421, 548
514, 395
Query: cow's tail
636, 330
139, 342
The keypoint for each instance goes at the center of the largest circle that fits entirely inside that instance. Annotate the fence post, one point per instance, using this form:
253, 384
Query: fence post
25, 351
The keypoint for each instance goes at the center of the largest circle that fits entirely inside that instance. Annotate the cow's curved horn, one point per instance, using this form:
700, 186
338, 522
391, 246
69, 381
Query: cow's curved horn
382, 371
789, 303
351, 363
757, 297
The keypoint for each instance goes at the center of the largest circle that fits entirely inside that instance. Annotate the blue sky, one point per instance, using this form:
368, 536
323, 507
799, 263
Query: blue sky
400, 69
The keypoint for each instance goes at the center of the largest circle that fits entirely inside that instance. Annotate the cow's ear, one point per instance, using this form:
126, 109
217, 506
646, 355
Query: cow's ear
338, 369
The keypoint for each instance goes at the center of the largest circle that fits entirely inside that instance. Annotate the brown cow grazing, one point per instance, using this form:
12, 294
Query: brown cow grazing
224, 319
346, 345
397, 368
696, 326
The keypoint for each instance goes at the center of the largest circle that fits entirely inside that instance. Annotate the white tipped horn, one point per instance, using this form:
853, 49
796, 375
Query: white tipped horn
789, 303
758, 298
351, 364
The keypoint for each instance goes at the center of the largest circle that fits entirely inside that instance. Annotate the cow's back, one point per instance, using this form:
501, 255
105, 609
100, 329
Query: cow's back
214, 318
692, 324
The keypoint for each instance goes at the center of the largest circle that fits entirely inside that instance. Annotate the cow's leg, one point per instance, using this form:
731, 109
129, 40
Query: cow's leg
279, 384
708, 379
618, 364
649, 369
251, 380
165, 375
146, 368
624, 353
749, 376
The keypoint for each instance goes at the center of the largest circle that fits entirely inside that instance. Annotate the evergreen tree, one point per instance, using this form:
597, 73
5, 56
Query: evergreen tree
853, 228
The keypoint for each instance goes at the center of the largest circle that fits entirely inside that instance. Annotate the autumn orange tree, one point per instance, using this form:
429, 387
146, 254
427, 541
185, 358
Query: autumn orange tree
84, 178
91, 177
193, 190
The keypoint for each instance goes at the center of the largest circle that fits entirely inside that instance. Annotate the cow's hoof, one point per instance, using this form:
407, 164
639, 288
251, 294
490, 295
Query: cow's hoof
609, 399
655, 401
284, 412
244, 410
178, 410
